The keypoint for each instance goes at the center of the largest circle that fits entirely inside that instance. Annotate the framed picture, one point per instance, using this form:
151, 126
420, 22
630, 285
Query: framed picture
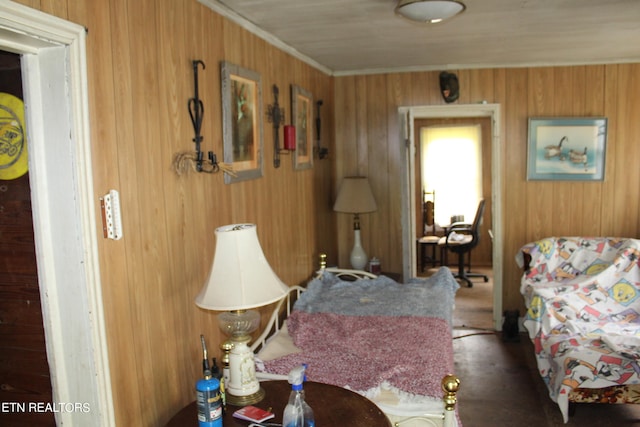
242, 122
301, 107
567, 149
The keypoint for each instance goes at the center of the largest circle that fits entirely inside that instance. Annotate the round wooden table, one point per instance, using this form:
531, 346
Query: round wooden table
332, 406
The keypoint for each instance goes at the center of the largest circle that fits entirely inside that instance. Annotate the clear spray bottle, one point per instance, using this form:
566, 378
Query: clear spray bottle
297, 413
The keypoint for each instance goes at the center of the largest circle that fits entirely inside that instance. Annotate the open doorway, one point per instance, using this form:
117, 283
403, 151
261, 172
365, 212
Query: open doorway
452, 175
449, 164
53, 66
453, 171
408, 117
21, 330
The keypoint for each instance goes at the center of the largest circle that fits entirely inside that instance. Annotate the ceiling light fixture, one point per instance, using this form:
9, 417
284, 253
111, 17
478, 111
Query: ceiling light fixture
429, 11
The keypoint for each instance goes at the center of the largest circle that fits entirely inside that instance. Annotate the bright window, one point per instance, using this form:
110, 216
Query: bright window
452, 167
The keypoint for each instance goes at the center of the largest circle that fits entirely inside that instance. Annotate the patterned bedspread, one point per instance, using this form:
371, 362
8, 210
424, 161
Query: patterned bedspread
369, 333
582, 296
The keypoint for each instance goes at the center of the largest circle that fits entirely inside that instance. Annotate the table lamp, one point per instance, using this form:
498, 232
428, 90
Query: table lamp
355, 197
240, 279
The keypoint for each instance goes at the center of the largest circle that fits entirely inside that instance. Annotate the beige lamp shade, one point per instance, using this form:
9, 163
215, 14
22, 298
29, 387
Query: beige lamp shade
240, 278
355, 196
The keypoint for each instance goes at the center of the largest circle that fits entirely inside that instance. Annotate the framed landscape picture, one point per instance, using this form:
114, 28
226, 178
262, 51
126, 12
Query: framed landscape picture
567, 149
301, 107
242, 122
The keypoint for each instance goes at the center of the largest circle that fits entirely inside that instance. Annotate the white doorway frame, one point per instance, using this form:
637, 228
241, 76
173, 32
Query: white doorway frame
407, 116
53, 58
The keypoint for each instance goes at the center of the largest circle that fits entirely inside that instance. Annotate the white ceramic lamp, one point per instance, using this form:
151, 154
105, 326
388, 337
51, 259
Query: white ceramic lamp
355, 196
240, 279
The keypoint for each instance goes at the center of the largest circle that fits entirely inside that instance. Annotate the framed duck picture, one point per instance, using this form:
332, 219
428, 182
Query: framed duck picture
566, 149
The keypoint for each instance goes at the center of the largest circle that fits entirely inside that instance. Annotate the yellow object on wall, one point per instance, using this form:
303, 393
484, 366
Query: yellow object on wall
13, 143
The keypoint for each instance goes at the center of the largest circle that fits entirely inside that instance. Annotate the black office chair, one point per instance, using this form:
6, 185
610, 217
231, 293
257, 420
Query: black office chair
461, 238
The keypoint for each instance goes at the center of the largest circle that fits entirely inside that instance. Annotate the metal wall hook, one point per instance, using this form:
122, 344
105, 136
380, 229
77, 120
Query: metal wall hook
275, 115
322, 152
196, 111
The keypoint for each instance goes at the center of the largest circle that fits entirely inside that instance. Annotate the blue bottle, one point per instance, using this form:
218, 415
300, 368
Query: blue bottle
297, 413
208, 401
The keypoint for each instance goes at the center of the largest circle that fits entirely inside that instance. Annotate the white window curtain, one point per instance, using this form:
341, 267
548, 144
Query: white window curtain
452, 167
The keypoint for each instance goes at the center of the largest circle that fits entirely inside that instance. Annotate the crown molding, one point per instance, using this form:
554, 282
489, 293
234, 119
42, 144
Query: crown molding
233, 16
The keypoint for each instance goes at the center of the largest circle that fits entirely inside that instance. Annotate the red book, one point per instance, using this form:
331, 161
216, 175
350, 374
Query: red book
253, 413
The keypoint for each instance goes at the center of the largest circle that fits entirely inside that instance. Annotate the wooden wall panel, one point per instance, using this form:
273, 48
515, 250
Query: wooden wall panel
515, 154
379, 173
397, 86
627, 175
612, 162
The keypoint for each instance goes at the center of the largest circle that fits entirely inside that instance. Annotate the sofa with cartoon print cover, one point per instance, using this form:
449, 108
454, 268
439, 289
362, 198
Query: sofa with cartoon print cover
583, 316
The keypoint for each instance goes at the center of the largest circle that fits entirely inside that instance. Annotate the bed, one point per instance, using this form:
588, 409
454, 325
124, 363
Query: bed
387, 341
583, 316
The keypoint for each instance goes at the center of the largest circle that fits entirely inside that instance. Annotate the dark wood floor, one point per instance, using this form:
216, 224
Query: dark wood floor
500, 384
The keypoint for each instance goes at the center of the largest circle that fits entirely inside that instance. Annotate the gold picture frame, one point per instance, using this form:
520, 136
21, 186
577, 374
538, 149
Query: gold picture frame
302, 109
242, 122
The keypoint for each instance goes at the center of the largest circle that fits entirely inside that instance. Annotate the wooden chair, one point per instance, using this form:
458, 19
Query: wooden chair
428, 247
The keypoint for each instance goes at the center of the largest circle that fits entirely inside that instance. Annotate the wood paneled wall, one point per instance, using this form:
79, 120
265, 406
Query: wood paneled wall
140, 77
367, 143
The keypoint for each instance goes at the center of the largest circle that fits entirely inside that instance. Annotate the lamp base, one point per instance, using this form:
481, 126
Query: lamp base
241, 385
358, 256
245, 400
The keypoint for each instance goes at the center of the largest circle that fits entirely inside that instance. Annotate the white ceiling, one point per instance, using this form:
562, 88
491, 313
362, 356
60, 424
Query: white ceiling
365, 36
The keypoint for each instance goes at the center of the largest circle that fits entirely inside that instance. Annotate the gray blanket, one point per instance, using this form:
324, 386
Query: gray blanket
429, 297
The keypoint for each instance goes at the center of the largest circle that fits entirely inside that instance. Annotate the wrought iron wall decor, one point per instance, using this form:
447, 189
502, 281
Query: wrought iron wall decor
275, 114
196, 111
184, 161
321, 152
